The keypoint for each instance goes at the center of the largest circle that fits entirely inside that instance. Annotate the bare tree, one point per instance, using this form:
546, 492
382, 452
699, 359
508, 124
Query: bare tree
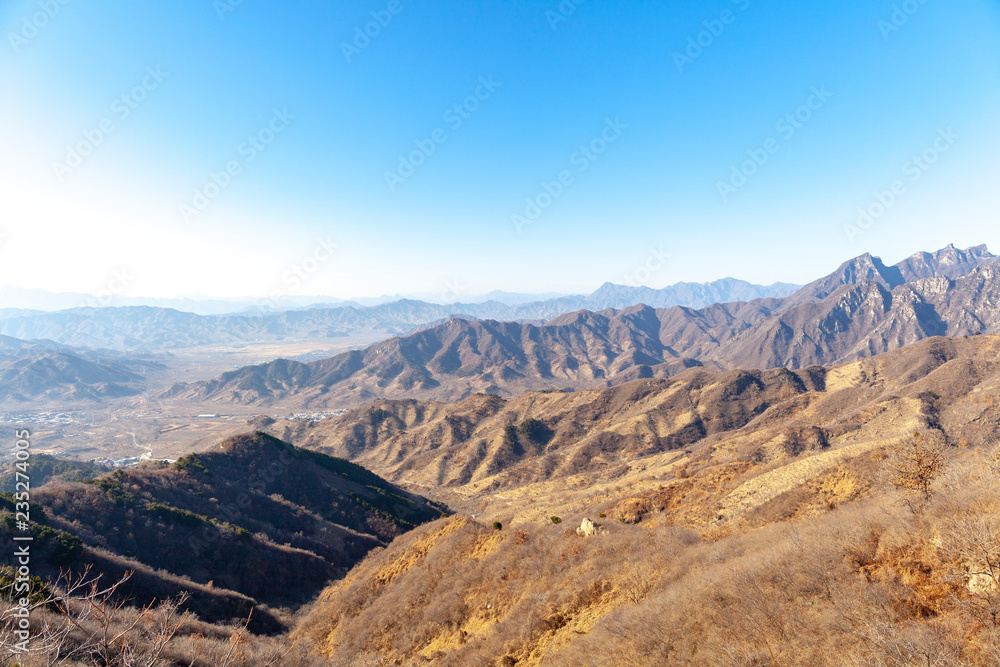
914, 465
973, 541
81, 620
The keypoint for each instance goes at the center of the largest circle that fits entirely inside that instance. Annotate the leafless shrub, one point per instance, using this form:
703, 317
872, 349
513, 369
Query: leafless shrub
81, 620
914, 464
84, 623
994, 461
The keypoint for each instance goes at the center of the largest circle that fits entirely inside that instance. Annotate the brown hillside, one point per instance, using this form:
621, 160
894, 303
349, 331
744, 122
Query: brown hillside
579, 438
779, 537
256, 520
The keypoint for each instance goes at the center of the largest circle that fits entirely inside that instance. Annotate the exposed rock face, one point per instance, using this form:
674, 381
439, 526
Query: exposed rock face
863, 269
587, 528
949, 262
862, 309
868, 318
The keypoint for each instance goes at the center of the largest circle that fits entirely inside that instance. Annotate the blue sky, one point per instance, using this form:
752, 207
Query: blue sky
247, 149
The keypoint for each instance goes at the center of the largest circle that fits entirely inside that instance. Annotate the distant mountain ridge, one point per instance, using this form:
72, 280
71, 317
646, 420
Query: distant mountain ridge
62, 376
691, 295
45, 370
949, 262
862, 309
147, 328
45, 301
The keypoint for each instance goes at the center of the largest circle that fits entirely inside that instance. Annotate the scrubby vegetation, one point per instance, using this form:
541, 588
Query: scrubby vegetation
866, 583
255, 524
83, 621
43, 468
192, 464
535, 431
841, 516
138, 567
376, 416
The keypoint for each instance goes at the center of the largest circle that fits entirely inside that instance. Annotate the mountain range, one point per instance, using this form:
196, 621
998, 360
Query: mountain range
662, 521
46, 370
44, 300
862, 309
697, 511
716, 518
148, 328
485, 442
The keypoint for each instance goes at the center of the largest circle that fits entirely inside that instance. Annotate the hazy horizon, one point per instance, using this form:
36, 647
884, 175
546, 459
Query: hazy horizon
444, 298
448, 295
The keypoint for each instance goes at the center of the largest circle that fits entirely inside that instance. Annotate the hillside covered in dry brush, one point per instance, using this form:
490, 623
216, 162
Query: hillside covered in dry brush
837, 515
831, 516
875, 581
252, 529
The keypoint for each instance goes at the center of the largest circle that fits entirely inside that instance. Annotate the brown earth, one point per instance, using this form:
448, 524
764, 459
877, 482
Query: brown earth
772, 534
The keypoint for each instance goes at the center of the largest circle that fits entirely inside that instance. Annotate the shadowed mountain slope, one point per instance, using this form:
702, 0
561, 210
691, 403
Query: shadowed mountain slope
254, 521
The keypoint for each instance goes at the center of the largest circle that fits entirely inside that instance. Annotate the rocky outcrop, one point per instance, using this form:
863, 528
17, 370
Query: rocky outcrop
587, 528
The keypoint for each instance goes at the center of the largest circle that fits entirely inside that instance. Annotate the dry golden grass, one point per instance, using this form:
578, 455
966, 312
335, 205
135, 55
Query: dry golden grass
419, 551
778, 541
868, 582
775, 537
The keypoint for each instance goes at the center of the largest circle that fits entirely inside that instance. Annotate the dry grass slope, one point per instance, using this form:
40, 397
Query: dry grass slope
776, 538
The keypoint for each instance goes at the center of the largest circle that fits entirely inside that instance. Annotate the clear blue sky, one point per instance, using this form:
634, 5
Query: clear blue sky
329, 122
